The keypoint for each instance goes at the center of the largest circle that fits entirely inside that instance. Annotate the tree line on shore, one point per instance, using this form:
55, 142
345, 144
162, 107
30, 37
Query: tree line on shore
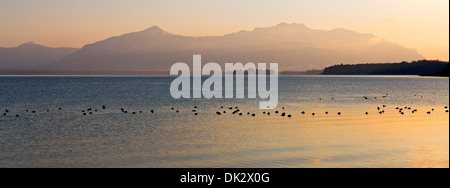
422, 67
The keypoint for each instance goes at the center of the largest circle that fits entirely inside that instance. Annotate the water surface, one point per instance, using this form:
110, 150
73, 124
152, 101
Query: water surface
165, 138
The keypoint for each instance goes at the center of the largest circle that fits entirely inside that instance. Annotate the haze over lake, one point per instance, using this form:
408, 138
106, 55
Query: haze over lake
179, 138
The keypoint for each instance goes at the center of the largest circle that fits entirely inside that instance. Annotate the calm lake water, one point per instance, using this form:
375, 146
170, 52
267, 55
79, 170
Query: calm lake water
165, 138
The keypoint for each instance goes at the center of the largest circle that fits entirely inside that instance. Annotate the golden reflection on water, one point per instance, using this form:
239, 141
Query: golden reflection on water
350, 140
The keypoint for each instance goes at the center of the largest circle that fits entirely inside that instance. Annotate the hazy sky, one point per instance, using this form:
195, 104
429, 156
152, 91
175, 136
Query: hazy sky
419, 24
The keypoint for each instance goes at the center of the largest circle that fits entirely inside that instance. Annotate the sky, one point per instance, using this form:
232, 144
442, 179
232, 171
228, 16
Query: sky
419, 24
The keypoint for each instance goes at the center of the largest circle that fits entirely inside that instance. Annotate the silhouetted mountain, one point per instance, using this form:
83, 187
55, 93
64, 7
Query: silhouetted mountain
414, 68
31, 56
294, 46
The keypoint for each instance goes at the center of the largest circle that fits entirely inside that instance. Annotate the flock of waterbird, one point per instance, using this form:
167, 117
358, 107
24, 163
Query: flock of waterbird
237, 111
85, 112
234, 111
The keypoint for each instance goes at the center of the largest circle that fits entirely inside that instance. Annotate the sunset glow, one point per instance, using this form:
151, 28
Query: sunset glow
419, 24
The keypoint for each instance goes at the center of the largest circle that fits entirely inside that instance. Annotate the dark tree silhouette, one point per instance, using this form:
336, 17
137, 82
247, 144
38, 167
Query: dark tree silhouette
422, 67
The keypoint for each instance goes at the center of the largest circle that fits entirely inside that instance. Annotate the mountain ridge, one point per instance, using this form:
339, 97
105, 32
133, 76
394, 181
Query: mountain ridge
294, 46
29, 56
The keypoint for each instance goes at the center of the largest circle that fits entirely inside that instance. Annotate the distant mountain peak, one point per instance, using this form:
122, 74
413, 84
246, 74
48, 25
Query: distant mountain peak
30, 55
30, 44
155, 27
342, 30
298, 25
154, 30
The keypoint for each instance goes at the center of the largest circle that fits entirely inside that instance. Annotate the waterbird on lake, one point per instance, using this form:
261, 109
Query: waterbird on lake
240, 114
326, 113
276, 112
59, 108
339, 113
6, 110
428, 112
152, 111
178, 111
196, 114
313, 114
289, 116
17, 115
283, 114
218, 113
367, 113
303, 112
268, 113
103, 107
253, 115
195, 106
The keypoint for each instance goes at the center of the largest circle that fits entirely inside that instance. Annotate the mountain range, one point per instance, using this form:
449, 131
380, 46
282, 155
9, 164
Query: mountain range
294, 46
29, 56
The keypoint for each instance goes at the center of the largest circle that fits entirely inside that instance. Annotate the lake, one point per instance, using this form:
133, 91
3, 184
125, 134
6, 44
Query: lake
406, 125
